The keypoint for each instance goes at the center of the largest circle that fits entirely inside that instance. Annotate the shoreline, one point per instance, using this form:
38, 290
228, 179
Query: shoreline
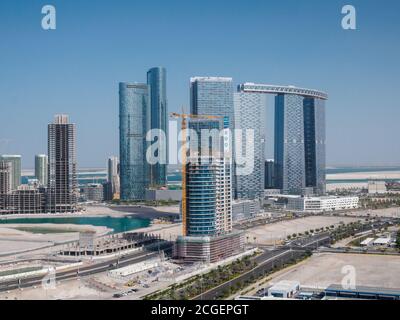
148, 213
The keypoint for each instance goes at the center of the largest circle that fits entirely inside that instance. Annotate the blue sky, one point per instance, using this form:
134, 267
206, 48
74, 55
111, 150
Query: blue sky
76, 68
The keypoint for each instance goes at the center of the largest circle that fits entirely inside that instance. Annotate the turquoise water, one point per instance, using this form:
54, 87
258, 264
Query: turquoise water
117, 224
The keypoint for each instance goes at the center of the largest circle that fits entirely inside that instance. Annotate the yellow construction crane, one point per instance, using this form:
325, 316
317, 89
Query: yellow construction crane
184, 118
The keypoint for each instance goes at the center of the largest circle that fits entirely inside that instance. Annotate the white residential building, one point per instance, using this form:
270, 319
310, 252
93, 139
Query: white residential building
322, 204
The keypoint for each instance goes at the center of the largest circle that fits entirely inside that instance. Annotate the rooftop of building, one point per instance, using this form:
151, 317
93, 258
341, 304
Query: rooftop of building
278, 89
211, 79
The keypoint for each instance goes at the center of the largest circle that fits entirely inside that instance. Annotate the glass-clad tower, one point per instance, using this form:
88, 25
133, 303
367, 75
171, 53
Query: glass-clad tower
250, 117
299, 137
314, 144
15, 161
300, 144
134, 122
289, 143
212, 96
41, 162
157, 82
209, 196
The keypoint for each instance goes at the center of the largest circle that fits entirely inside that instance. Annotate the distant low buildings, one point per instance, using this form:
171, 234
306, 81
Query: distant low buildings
377, 187
92, 192
322, 204
163, 195
245, 209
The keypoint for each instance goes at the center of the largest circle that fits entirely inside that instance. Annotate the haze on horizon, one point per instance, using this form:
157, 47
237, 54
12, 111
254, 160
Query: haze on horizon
76, 68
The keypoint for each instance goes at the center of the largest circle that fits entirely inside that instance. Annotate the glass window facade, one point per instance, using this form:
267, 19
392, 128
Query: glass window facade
157, 82
134, 124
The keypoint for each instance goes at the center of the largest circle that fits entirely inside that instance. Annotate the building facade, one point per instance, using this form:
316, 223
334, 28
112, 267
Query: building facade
41, 163
92, 192
269, 174
314, 144
250, 118
5, 183
62, 187
299, 137
245, 209
209, 198
289, 143
15, 161
212, 96
157, 82
322, 204
113, 177
25, 200
134, 112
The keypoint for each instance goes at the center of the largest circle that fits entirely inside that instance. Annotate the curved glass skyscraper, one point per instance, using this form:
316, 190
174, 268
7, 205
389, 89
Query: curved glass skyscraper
157, 82
134, 122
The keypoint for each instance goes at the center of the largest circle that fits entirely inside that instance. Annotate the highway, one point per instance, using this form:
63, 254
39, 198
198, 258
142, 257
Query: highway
81, 271
267, 261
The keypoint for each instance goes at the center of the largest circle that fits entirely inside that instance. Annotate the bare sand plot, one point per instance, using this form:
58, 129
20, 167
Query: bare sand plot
270, 233
380, 213
17, 238
324, 269
71, 289
165, 231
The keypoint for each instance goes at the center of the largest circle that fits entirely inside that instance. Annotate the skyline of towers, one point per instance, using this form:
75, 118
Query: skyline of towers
15, 161
62, 169
134, 123
41, 170
143, 107
157, 82
299, 140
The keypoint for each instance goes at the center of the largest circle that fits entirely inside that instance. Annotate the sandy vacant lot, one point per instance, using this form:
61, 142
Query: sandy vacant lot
71, 289
270, 233
17, 241
324, 269
388, 213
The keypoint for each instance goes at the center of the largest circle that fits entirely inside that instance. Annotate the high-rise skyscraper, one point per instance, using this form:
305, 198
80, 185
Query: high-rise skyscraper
15, 161
113, 176
157, 82
289, 143
269, 174
5, 177
299, 137
62, 169
314, 144
41, 170
208, 232
300, 144
250, 117
134, 115
5, 183
212, 96
209, 198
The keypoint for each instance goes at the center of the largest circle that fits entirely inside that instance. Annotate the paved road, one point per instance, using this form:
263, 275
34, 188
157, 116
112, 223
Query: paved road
267, 261
81, 271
